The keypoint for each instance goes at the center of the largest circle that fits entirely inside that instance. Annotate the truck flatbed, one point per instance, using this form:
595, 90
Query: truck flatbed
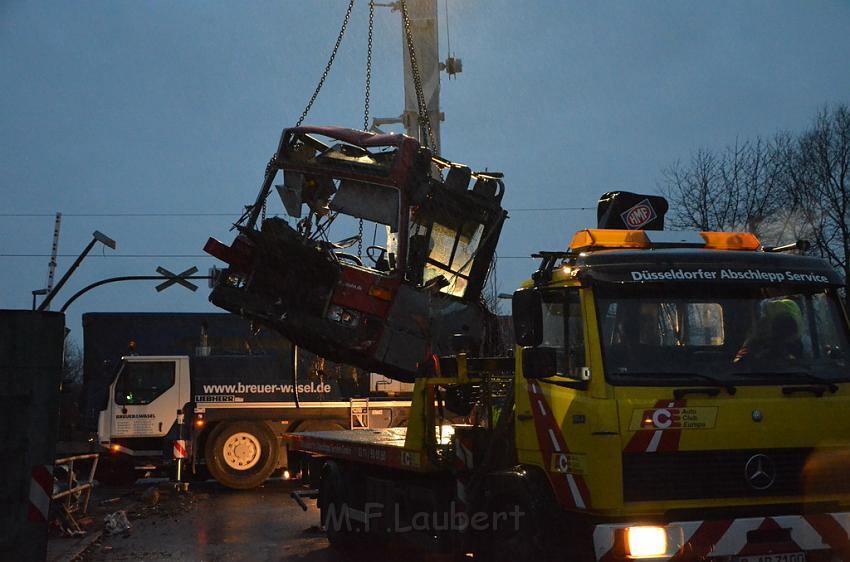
384, 447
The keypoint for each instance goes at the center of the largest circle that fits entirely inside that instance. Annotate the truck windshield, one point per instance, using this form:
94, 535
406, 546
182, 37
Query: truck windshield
743, 335
141, 383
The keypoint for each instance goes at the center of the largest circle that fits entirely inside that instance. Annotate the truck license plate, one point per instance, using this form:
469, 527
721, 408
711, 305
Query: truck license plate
789, 557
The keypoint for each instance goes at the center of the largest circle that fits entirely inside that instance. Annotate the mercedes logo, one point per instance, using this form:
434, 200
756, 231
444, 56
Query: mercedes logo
760, 472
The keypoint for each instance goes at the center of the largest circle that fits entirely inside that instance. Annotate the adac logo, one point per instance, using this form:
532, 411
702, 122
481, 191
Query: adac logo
674, 416
661, 418
639, 215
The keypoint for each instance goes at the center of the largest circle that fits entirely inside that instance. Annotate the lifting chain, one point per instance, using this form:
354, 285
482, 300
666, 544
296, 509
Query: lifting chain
266, 200
366, 105
424, 118
368, 66
328, 66
360, 240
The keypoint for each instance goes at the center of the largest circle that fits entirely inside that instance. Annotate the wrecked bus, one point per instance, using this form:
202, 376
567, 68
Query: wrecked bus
429, 227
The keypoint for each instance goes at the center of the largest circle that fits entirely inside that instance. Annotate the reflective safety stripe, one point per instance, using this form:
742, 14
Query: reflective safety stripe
728, 537
41, 488
180, 449
570, 489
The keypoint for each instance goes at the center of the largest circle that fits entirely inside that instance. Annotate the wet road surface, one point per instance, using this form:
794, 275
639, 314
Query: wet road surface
214, 523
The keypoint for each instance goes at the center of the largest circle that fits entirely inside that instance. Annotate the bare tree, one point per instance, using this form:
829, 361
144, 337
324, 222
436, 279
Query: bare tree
740, 188
72, 378
692, 191
758, 193
72, 366
818, 172
791, 187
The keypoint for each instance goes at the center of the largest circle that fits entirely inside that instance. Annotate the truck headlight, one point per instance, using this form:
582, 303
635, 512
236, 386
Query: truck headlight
645, 542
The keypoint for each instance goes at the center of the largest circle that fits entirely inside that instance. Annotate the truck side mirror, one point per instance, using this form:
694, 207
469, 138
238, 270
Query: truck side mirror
538, 362
527, 314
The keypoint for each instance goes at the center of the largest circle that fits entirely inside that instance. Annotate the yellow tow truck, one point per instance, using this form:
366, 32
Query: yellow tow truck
672, 396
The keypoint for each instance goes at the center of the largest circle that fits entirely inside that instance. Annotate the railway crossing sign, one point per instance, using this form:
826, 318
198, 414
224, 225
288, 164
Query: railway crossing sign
176, 278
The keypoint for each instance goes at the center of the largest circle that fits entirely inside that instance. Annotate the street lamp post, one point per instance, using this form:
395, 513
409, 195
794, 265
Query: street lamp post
97, 236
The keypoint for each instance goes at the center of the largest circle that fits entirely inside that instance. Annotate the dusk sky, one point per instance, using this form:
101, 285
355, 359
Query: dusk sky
161, 107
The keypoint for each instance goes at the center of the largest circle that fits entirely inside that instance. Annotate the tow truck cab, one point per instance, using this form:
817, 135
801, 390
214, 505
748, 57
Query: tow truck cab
686, 397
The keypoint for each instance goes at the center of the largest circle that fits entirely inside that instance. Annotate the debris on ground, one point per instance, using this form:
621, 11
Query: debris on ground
116, 523
150, 497
163, 501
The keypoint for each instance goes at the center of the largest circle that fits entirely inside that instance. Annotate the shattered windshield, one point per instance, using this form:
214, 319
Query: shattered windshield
738, 335
449, 254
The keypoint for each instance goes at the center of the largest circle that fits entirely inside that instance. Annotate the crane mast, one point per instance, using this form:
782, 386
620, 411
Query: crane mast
425, 35
425, 39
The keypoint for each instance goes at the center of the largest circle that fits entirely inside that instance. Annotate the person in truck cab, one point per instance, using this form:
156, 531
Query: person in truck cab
776, 335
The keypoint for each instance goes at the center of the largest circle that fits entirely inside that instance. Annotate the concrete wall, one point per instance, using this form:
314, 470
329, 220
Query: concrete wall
31, 345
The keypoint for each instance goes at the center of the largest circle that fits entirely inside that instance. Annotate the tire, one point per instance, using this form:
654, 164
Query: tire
342, 532
310, 470
518, 540
242, 454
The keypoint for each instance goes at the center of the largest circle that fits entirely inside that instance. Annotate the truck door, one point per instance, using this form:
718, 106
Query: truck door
146, 395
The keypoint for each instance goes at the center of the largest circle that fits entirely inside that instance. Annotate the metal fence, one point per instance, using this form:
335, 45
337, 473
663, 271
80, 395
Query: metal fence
73, 492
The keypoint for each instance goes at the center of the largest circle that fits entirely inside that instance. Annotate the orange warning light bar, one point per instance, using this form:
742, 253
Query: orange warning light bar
731, 241
599, 238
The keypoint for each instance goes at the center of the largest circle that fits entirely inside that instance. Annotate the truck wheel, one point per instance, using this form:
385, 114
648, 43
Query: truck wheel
310, 470
341, 530
241, 455
518, 537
